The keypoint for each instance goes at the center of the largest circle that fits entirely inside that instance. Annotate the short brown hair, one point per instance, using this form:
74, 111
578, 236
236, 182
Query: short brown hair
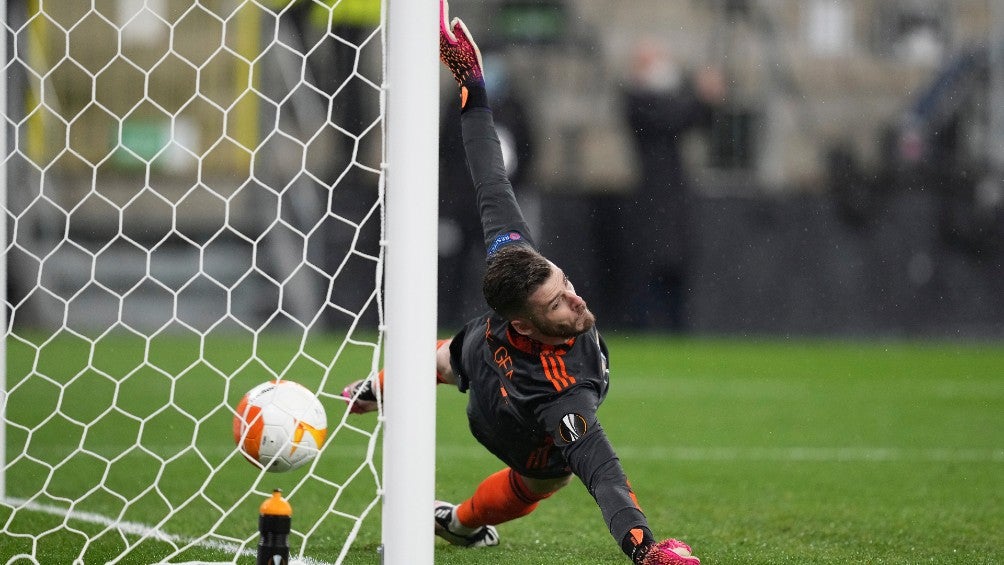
512, 275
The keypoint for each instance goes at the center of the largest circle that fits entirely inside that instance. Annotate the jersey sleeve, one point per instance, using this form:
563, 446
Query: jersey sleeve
501, 218
575, 429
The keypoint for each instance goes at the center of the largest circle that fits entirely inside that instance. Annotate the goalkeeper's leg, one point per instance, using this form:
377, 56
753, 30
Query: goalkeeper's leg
503, 496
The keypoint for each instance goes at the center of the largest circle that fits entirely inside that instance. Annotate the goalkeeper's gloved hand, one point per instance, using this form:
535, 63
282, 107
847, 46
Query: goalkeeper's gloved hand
461, 55
666, 552
362, 396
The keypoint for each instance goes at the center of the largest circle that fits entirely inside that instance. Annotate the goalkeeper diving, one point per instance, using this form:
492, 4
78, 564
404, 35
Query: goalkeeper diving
535, 368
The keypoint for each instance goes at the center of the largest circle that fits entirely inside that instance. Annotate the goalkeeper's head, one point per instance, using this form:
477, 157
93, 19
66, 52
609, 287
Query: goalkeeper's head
530, 291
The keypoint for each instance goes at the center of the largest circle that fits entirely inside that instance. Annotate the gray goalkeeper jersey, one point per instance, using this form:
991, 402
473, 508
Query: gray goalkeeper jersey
534, 405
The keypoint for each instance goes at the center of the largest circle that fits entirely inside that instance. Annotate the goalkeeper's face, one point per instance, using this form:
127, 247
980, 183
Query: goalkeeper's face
556, 311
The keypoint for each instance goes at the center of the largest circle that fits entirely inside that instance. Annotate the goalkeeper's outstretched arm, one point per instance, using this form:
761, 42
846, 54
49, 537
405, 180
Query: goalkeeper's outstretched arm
501, 218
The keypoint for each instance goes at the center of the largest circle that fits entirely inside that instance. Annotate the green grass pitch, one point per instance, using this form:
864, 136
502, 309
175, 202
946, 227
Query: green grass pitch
753, 451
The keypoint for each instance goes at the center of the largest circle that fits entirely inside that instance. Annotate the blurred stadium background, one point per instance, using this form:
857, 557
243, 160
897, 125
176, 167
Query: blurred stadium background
853, 184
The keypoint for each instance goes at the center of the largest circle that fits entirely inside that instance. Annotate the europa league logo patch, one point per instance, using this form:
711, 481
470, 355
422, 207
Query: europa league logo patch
572, 427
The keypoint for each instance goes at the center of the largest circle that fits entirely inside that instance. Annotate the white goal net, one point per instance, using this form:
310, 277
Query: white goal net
193, 205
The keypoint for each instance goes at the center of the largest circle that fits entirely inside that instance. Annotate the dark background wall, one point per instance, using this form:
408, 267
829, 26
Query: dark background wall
795, 265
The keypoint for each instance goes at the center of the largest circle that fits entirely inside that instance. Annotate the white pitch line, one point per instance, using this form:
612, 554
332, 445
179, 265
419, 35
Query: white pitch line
815, 454
794, 454
139, 529
679, 453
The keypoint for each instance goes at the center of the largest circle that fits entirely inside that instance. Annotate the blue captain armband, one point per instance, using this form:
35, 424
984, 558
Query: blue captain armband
505, 239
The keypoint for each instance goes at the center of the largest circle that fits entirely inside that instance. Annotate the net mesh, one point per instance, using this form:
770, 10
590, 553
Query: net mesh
193, 207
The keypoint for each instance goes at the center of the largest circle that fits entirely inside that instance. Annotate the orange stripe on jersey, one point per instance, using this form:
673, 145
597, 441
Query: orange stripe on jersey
549, 370
539, 457
634, 498
555, 370
531, 461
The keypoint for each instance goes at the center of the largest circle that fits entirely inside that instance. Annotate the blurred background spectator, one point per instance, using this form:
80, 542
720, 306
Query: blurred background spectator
662, 102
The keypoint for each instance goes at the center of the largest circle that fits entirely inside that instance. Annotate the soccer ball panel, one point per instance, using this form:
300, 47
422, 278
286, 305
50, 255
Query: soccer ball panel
280, 426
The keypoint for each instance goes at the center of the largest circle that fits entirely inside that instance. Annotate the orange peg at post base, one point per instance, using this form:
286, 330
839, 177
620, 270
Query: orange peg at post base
274, 523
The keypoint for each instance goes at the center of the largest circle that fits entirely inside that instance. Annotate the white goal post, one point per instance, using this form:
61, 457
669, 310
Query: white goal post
198, 196
409, 444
